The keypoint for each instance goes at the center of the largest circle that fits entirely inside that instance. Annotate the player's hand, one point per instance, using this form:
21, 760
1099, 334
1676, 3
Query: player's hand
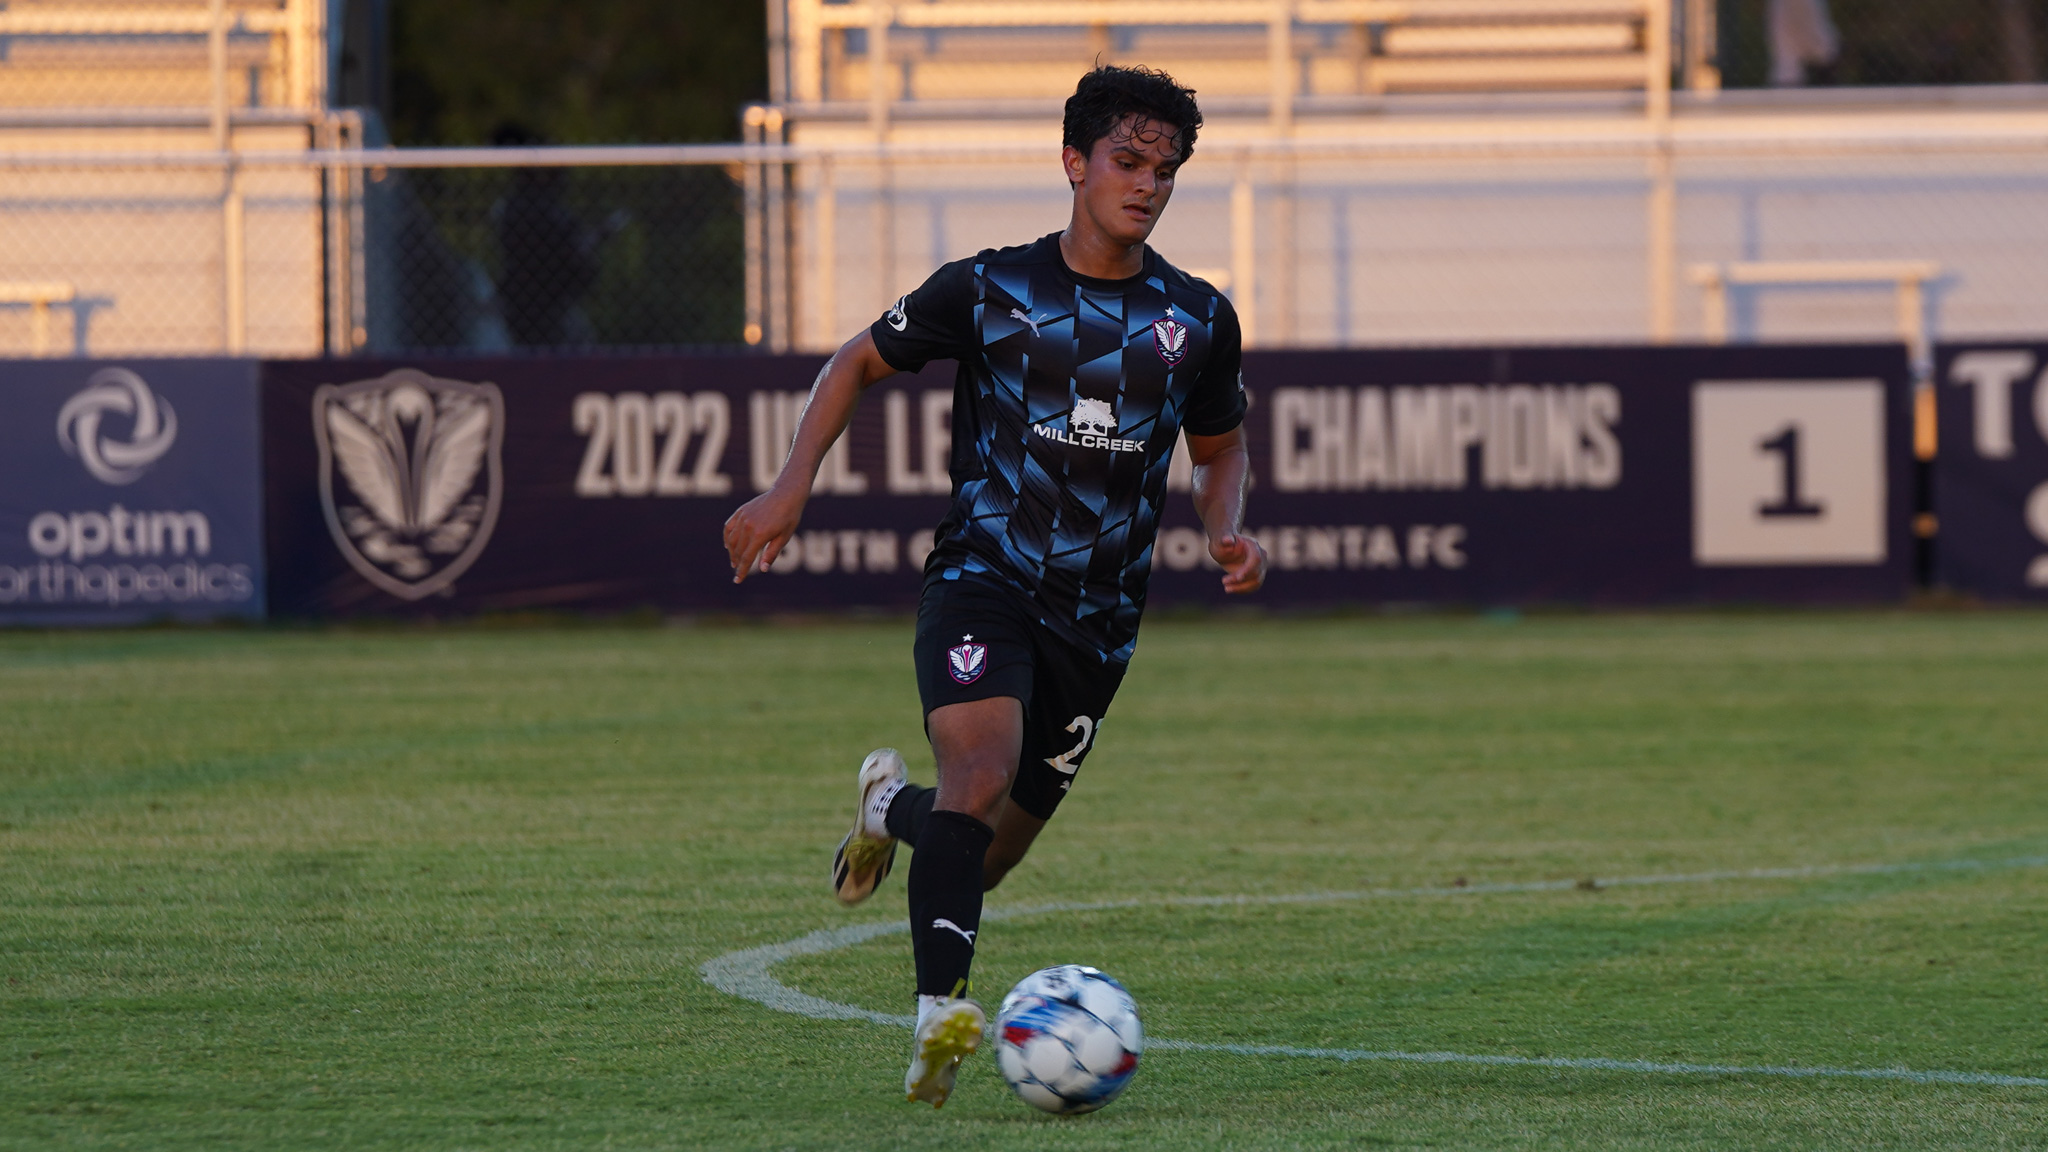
1243, 560
757, 533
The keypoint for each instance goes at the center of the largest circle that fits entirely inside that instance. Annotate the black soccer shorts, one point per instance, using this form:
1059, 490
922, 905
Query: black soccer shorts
977, 639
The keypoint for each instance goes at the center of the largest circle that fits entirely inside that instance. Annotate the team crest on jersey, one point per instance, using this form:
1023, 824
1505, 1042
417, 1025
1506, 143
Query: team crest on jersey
1170, 339
967, 660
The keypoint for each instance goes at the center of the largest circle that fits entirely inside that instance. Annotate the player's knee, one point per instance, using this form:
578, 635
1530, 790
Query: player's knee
993, 871
977, 784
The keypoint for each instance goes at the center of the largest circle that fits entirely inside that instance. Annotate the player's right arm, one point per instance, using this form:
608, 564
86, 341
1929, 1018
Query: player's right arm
757, 533
936, 322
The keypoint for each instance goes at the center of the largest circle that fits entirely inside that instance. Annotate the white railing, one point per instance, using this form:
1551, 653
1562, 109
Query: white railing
38, 297
1907, 278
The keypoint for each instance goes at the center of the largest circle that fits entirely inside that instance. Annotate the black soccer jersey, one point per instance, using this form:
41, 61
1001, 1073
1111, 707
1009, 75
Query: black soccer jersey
1071, 394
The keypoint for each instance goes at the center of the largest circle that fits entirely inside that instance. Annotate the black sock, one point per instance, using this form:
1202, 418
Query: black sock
945, 900
907, 812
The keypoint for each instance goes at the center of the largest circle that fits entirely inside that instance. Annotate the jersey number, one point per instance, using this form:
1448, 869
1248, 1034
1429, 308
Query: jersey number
1064, 762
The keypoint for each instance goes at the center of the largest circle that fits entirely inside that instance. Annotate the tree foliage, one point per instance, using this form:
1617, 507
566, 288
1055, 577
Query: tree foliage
575, 71
1903, 42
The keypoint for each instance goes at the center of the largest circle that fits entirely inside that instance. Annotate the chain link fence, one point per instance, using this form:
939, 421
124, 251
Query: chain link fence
259, 231
185, 255
553, 258
1320, 244
1874, 223
161, 256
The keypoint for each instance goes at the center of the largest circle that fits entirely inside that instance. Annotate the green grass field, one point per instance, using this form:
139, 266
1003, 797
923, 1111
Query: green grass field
453, 888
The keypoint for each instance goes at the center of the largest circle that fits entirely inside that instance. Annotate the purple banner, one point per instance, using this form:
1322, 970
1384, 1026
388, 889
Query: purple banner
1991, 475
1486, 476
129, 491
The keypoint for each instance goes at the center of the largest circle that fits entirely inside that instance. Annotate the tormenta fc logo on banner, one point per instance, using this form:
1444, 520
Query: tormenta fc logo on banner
410, 478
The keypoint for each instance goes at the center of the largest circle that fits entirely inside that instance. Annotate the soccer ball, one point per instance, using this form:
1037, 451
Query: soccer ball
1067, 1039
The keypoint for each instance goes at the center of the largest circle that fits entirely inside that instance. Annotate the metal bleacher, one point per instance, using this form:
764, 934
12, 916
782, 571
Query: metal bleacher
1283, 52
140, 56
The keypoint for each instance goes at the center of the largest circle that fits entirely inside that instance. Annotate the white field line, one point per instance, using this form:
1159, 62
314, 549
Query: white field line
745, 973
1602, 1064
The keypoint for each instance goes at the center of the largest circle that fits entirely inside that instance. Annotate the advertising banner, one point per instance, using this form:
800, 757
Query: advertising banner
530, 484
1991, 474
129, 491
1484, 476
1580, 475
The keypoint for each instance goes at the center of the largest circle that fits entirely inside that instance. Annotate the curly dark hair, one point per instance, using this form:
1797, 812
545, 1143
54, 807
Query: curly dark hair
1110, 93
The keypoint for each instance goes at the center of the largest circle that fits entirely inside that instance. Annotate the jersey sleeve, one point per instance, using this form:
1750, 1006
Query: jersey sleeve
936, 322
1217, 402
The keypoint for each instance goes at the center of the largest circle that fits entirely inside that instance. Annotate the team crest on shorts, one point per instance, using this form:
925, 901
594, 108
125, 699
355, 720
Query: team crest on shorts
967, 660
1170, 339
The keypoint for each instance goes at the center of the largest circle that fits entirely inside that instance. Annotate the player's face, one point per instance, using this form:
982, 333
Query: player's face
1124, 182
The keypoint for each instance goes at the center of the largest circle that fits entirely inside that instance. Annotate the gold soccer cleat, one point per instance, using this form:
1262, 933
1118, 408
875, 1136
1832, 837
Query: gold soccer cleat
868, 851
948, 1031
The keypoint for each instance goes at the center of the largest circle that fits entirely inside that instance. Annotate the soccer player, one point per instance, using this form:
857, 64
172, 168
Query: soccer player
1083, 357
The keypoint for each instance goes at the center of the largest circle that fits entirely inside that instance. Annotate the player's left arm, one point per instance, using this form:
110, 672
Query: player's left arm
1223, 474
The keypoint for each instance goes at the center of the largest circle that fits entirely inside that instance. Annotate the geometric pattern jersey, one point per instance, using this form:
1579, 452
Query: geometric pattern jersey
1070, 396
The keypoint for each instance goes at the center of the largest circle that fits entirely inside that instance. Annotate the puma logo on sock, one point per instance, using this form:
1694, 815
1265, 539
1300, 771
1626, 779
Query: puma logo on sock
966, 935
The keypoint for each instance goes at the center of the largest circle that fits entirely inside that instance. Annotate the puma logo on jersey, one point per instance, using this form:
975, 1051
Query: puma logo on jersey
1018, 314
948, 925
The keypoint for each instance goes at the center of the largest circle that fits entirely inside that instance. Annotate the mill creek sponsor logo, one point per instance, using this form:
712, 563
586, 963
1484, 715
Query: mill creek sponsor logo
1089, 425
410, 478
156, 558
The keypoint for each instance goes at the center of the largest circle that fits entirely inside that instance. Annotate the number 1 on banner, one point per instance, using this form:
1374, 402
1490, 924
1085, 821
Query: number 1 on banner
1788, 472
1789, 501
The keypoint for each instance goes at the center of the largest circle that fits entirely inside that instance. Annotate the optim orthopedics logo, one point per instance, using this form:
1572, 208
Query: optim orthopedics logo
410, 478
153, 428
